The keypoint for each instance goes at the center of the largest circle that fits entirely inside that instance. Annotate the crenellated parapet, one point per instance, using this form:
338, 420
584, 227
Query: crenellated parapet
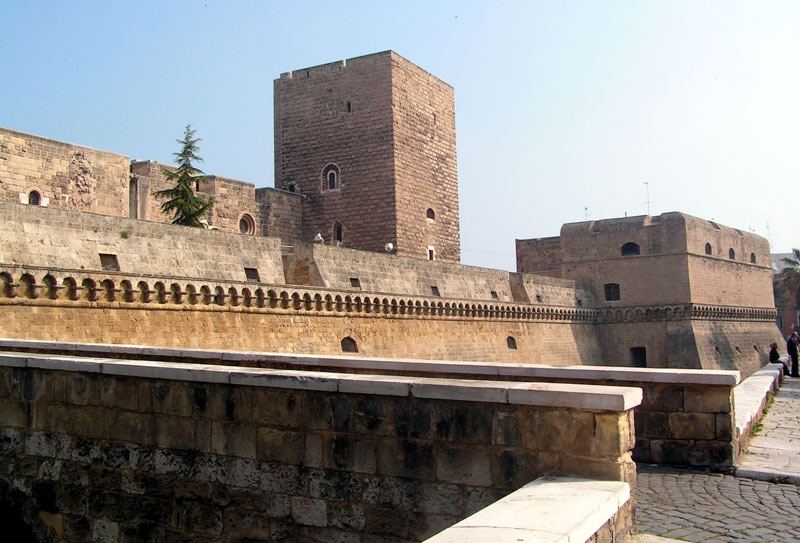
24, 284
671, 312
48, 285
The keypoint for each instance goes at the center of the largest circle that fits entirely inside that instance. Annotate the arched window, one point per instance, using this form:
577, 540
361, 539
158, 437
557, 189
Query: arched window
247, 225
338, 235
34, 198
330, 177
752, 258
708, 248
349, 345
630, 249
511, 342
431, 253
731, 254
430, 214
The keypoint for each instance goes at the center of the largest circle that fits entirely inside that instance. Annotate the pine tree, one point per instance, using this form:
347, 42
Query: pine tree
182, 203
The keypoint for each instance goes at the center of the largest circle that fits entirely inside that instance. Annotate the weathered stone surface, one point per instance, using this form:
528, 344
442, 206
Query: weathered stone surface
309, 511
280, 446
464, 466
692, 425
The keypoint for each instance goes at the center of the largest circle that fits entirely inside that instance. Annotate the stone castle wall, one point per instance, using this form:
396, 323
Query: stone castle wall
314, 128
137, 451
425, 163
37, 236
66, 176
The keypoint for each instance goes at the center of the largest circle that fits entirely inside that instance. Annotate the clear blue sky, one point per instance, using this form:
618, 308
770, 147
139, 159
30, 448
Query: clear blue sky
560, 106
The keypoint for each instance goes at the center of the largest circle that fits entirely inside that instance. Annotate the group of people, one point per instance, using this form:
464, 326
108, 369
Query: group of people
793, 348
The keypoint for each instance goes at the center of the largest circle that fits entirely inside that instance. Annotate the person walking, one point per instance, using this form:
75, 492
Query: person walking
791, 348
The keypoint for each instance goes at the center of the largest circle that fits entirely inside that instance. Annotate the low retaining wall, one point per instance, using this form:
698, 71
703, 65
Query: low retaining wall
138, 450
550, 510
751, 398
686, 418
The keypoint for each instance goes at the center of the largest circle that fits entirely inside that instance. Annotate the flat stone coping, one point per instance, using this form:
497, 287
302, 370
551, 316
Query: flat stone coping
528, 371
750, 395
547, 510
575, 396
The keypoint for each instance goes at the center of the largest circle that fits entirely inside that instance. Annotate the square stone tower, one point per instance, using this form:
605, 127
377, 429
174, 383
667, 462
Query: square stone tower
370, 144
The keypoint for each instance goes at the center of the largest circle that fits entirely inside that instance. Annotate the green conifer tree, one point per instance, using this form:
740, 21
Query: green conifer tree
181, 202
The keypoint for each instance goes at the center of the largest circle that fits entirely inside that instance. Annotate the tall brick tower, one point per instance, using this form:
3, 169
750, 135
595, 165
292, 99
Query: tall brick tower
370, 143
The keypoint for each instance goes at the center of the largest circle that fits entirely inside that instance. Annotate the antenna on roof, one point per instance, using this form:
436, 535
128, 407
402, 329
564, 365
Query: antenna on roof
586, 213
647, 201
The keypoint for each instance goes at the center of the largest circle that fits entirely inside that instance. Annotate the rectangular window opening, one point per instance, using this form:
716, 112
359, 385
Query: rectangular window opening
435, 290
252, 274
639, 357
494, 295
611, 291
109, 262
355, 282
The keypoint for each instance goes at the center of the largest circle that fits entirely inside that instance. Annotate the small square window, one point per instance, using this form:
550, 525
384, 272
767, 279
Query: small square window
435, 290
355, 282
109, 262
611, 291
494, 295
639, 357
252, 274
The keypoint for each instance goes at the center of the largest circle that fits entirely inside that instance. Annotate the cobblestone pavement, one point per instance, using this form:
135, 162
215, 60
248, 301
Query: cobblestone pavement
700, 506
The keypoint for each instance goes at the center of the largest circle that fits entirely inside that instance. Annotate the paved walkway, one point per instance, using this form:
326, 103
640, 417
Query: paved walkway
761, 507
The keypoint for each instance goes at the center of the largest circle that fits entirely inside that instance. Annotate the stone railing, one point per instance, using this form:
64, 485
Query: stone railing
114, 449
687, 416
684, 311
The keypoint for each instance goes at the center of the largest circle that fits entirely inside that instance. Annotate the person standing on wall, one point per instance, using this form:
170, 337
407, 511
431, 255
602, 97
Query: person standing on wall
791, 348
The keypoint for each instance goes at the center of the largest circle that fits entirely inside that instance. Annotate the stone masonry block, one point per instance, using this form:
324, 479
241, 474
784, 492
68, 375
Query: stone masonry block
662, 398
463, 422
280, 408
246, 524
347, 453
516, 468
692, 425
560, 430
347, 517
313, 451
234, 439
280, 446
13, 413
175, 432
309, 511
707, 399
403, 458
131, 426
171, 398
434, 498
332, 485
614, 434
120, 392
464, 466
650, 424
284, 479
51, 417
724, 426
87, 421
508, 429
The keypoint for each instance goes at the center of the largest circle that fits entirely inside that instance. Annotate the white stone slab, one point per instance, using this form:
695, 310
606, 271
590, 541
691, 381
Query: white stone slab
591, 397
299, 380
547, 510
14, 360
460, 389
196, 373
64, 363
384, 385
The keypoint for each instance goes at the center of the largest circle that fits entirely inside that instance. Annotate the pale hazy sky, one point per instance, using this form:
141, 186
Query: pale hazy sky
560, 106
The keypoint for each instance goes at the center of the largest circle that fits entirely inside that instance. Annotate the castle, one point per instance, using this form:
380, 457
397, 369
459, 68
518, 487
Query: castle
164, 425
365, 156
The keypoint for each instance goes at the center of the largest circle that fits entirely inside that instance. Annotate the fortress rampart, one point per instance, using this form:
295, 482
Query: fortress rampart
168, 451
